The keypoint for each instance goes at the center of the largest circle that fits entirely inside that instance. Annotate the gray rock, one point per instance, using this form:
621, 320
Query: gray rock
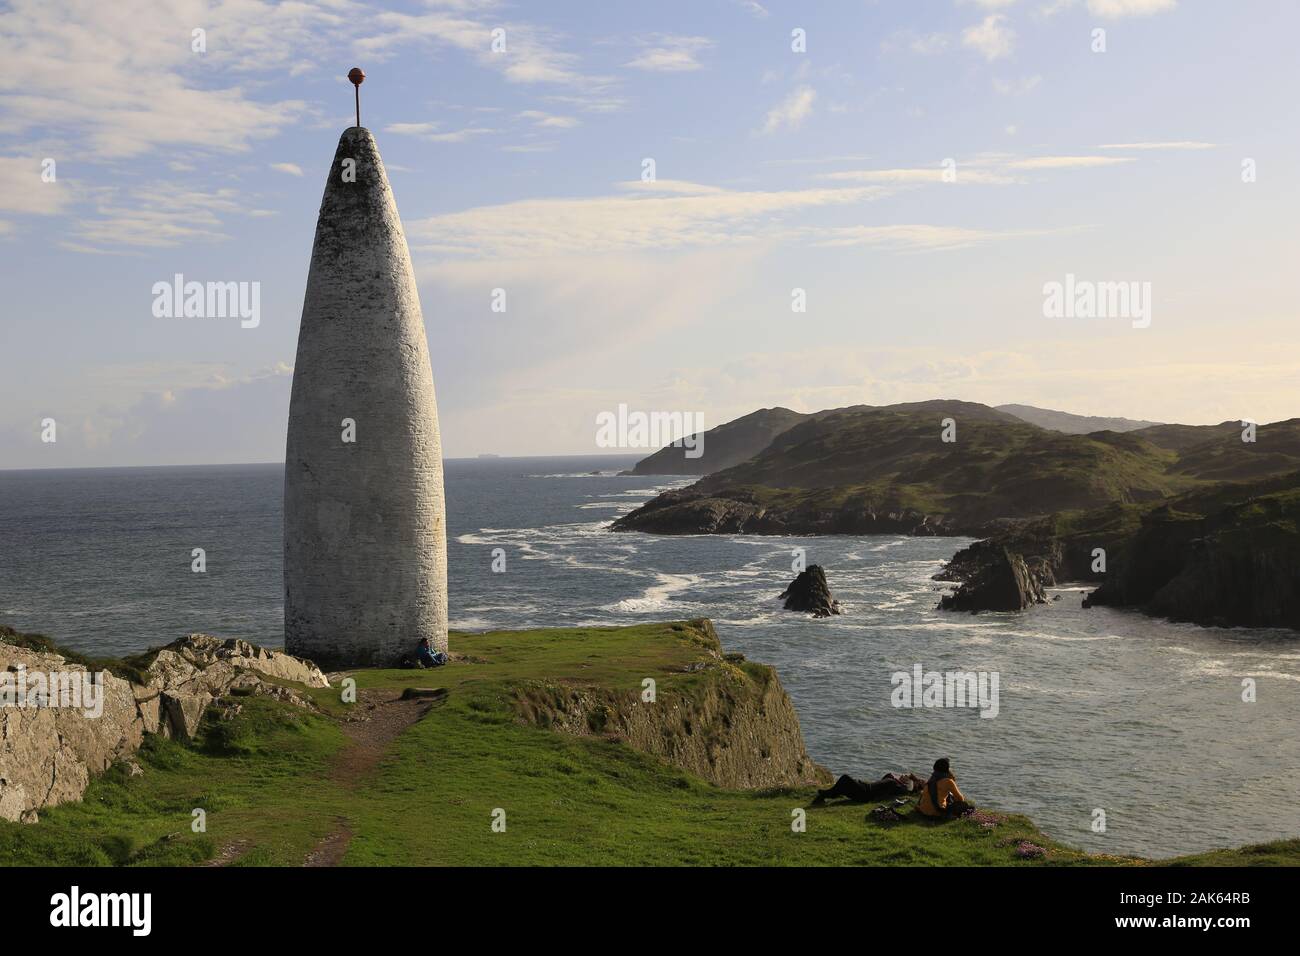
48, 754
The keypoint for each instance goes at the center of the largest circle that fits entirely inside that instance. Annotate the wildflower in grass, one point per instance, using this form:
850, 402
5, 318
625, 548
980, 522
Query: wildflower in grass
985, 819
1029, 851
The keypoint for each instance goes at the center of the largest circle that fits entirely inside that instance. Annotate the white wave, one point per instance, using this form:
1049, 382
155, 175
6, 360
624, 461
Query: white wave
1066, 638
658, 596
470, 624
769, 618
890, 544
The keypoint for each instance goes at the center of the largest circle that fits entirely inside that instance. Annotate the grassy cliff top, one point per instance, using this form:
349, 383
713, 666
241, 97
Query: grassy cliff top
281, 785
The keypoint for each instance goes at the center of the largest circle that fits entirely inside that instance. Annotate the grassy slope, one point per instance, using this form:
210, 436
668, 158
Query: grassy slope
265, 781
995, 468
890, 459
722, 446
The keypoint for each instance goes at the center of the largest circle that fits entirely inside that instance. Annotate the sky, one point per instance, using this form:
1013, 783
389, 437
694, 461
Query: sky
915, 174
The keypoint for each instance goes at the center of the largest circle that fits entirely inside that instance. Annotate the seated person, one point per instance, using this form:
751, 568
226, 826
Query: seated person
424, 655
858, 791
940, 796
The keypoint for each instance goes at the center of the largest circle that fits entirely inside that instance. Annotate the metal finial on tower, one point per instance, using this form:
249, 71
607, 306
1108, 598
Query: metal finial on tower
357, 76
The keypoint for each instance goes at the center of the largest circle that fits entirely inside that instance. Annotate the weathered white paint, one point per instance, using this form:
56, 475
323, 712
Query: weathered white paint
365, 547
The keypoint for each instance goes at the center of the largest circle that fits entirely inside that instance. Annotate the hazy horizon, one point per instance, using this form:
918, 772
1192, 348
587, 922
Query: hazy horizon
915, 176
597, 453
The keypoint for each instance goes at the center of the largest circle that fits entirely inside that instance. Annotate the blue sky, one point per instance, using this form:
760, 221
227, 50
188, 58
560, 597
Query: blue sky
775, 170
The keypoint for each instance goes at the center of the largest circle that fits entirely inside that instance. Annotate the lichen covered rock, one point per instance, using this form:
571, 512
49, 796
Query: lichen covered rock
50, 752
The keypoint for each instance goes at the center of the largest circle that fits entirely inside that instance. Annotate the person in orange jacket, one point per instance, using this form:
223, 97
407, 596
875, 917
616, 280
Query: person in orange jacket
940, 796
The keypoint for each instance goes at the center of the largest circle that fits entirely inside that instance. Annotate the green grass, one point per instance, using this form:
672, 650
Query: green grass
131, 667
264, 779
574, 801
251, 789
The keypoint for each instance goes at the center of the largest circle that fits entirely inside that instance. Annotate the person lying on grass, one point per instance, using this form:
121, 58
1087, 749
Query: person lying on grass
862, 791
940, 796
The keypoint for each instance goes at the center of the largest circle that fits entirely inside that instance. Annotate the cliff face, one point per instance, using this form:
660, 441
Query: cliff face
1239, 567
50, 751
734, 725
1226, 555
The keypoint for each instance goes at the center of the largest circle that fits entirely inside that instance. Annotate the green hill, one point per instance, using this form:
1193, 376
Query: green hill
1072, 424
865, 470
723, 446
888, 469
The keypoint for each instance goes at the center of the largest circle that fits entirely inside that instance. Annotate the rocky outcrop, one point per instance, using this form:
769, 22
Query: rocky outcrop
49, 750
1227, 554
995, 580
810, 593
1238, 567
189, 674
749, 511
48, 753
737, 727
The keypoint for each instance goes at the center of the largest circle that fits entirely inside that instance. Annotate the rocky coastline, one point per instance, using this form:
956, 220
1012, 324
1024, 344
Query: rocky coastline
748, 511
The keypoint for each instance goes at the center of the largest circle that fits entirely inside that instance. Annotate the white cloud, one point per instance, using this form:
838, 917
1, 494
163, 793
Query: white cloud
23, 191
791, 111
293, 169
1177, 144
1067, 162
531, 52
549, 120
153, 414
412, 129
671, 54
991, 37
663, 215
929, 44
154, 216
429, 132
922, 44
677, 187
910, 176
1053, 7
1117, 9
121, 77
1026, 84
913, 237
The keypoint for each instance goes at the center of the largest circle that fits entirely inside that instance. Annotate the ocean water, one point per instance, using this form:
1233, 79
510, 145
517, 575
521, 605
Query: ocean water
1098, 709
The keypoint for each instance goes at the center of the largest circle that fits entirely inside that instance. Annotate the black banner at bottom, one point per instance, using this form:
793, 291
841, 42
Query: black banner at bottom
130, 906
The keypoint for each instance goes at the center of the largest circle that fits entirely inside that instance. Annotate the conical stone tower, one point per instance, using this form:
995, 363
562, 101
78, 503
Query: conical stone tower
365, 547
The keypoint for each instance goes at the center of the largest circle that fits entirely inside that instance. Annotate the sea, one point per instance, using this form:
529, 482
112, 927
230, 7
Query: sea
1115, 732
